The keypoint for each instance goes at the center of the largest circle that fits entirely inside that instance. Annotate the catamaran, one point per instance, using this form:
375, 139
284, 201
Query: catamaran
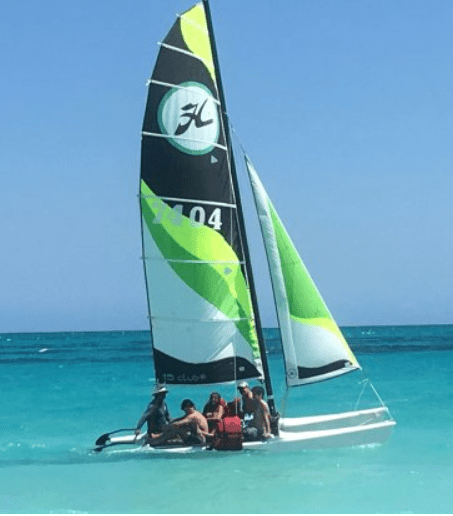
202, 301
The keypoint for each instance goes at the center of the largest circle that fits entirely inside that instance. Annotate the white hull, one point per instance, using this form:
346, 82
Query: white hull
312, 432
376, 433
341, 420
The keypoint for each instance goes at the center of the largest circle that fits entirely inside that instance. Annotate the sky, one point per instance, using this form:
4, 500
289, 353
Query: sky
345, 108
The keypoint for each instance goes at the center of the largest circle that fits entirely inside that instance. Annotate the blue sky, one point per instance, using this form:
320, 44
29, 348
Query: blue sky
345, 108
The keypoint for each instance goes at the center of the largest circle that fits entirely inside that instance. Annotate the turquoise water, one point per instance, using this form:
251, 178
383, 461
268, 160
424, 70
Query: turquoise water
61, 391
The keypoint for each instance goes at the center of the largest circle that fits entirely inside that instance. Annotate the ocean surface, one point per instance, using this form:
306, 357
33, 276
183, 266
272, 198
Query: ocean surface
60, 391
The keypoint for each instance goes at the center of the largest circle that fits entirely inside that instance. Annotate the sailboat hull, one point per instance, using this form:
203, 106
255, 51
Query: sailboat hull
376, 433
356, 428
332, 421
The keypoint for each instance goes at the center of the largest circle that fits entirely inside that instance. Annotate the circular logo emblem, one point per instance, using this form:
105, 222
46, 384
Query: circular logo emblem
189, 115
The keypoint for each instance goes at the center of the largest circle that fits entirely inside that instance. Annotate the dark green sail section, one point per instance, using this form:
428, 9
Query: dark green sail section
202, 319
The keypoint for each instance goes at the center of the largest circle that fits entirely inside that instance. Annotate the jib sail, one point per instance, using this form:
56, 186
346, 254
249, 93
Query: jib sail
313, 345
201, 314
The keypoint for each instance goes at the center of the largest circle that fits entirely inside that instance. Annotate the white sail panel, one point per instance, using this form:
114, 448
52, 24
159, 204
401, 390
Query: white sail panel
189, 326
186, 340
201, 332
313, 345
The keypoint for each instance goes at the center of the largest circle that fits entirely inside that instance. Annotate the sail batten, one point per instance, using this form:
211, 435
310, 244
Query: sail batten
197, 320
201, 262
193, 23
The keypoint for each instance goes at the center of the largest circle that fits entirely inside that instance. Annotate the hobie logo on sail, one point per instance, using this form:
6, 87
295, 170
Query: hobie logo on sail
188, 114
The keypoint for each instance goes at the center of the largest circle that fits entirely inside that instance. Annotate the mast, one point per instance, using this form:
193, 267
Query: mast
259, 328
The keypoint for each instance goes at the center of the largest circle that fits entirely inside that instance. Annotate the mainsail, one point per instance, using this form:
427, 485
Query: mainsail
313, 345
202, 320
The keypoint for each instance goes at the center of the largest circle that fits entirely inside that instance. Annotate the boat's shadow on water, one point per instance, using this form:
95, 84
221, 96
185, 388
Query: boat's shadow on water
90, 456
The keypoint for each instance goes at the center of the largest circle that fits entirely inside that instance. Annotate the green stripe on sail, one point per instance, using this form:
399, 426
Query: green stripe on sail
305, 303
221, 284
194, 30
304, 300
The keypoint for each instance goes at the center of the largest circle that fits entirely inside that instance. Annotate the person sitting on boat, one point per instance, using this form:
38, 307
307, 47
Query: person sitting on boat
248, 405
227, 434
259, 426
191, 428
214, 410
156, 414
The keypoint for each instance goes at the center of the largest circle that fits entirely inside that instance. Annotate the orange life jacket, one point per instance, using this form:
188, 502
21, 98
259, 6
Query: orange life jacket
228, 435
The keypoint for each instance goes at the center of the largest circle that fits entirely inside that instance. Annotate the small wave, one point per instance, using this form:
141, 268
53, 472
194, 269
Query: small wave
406, 348
131, 347
83, 357
47, 358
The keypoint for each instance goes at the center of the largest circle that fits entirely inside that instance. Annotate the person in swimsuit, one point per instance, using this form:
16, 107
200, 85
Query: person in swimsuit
214, 410
259, 426
156, 414
191, 428
248, 405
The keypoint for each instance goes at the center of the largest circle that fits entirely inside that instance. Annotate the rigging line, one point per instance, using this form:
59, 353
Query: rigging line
226, 121
192, 201
180, 87
142, 239
233, 130
158, 135
379, 398
365, 383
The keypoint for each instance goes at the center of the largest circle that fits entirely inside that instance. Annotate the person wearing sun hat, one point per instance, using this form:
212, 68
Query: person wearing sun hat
156, 414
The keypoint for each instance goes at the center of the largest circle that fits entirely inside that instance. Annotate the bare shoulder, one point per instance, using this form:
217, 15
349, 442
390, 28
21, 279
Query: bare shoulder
264, 405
